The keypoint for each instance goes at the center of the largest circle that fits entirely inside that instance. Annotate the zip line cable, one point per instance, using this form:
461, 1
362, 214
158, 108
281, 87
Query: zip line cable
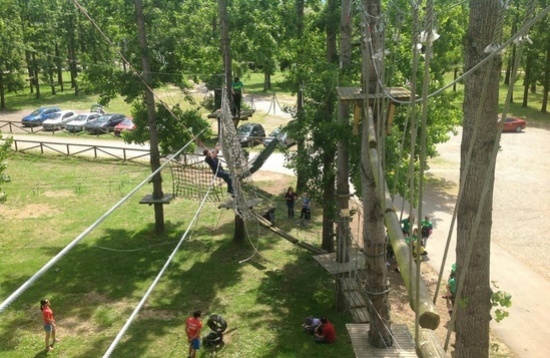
159, 276
85, 233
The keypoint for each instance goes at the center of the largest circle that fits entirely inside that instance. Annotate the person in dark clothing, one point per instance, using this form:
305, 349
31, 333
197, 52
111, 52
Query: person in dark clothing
211, 158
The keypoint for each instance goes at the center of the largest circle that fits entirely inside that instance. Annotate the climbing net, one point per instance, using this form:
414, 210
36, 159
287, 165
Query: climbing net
192, 178
235, 159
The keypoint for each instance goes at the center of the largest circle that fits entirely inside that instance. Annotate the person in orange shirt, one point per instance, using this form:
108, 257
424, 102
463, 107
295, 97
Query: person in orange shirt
49, 323
193, 327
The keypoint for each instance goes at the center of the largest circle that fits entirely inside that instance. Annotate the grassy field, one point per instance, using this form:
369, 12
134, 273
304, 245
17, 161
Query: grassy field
96, 286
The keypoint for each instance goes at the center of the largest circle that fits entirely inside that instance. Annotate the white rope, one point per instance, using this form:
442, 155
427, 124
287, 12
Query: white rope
85, 233
148, 293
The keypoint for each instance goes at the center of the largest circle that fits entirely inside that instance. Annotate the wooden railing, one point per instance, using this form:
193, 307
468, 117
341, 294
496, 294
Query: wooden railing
73, 149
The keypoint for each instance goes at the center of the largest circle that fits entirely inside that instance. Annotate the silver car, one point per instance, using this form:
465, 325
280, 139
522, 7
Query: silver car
58, 120
77, 124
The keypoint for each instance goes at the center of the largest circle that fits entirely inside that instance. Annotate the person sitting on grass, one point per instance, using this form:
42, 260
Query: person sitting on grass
325, 333
310, 324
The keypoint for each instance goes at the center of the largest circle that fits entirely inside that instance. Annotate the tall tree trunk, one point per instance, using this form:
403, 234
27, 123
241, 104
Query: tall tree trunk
527, 80
301, 178
473, 236
52, 83
225, 44
30, 71
267, 80
343, 232
329, 152
546, 83
373, 224
151, 114
59, 67
34, 77
2, 94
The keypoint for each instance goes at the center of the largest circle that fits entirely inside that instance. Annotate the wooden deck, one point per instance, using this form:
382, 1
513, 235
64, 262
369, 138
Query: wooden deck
403, 346
353, 94
328, 261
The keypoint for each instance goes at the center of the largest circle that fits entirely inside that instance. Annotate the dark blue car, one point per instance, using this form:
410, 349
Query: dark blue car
39, 115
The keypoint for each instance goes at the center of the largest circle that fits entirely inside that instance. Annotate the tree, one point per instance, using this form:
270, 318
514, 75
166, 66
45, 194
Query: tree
11, 39
4, 177
477, 179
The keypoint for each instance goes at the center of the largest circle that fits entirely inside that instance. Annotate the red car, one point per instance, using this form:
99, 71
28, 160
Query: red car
126, 125
512, 124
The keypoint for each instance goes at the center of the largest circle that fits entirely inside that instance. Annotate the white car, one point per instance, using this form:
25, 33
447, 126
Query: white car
58, 120
77, 124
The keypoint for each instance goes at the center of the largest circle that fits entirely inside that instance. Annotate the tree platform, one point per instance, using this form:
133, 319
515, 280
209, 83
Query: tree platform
328, 261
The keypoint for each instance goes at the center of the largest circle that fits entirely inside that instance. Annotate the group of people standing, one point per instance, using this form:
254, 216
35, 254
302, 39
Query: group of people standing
290, 198
419, 241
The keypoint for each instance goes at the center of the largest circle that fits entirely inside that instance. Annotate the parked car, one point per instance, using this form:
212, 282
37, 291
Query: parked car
58, 120
282, 135
38, 116
105, 123
250, 134
77, 124
513, 124
126, 125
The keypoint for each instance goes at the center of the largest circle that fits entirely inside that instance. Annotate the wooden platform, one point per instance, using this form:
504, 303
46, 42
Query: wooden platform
328, 261
403, 346
355, 301
148, 199
353, 94
244, 115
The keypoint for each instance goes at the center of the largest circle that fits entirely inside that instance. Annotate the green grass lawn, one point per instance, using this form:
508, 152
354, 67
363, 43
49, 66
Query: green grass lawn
96, 286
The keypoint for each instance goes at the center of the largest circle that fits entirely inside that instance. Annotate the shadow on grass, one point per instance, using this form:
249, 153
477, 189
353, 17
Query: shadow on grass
115, 270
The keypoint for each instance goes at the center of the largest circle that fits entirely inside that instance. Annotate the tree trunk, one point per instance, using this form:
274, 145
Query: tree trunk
343, 232
59, 68
300, 177
267, 81
30, 71
34, 77
526, 80
375, 248
225, 44
52, 83
2, 94
373, 225
473, 235
331, 31
240, 232
151, 112
546, 83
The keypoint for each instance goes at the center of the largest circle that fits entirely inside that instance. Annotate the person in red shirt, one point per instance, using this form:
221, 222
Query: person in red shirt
325, 333
49, 323
193, 327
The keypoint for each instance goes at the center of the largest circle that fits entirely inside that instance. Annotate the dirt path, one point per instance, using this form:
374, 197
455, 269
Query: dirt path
519, 242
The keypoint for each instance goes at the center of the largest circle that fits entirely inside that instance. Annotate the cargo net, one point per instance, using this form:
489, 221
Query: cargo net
235, 160
191, 178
